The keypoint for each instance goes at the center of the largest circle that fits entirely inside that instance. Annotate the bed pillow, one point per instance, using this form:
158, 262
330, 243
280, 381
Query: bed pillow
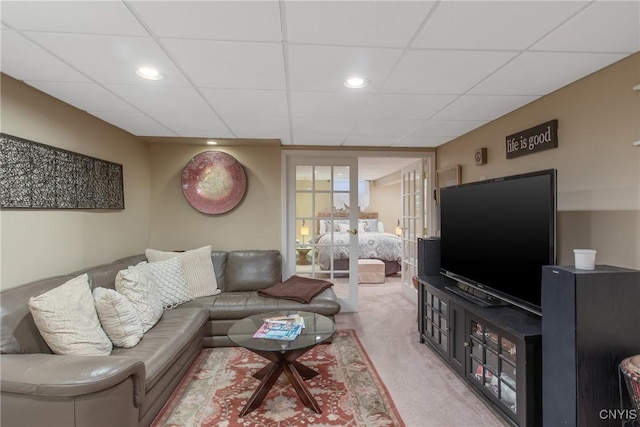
370, 224
197, 266
168, 278
136, 286
118, 317
67, 319
343, 228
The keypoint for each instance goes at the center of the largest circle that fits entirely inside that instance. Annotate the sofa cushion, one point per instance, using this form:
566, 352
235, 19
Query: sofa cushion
197, 266
145, 298
168, 278
67, 320
118, 317
164, 344
252, 270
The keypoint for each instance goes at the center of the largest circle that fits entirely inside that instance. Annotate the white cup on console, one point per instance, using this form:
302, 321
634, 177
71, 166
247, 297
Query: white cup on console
585, 259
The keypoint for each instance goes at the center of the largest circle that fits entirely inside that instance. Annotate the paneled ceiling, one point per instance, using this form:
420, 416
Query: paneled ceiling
275, 69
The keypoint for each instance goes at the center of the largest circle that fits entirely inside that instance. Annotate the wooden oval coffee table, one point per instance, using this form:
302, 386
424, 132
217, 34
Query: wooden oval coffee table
283, 355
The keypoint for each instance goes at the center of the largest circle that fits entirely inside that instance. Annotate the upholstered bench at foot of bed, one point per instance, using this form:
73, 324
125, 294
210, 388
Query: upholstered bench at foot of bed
370, 271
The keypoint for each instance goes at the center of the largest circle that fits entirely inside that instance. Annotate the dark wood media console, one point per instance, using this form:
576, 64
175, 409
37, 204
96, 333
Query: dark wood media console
498, 350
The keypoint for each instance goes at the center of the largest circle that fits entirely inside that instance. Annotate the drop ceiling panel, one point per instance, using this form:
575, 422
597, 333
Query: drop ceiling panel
329, 105
369, 141
213, 20
447, 128
109, 59
25, 60
244, 126
178, 100
325, 68
85, 96
388, 128
228, 64
540, 73
492, 25
252, 103
605, 26
406, 106
315, 139
134, 123
323, 127
355, 23
444, 72
200, 125
421, 141
275, 69
89, 17
482, 108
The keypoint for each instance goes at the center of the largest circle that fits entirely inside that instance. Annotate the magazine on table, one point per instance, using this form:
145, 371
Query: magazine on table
288, 318
285, 331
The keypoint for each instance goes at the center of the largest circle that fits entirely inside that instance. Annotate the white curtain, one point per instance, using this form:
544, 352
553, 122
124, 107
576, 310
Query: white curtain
341, 200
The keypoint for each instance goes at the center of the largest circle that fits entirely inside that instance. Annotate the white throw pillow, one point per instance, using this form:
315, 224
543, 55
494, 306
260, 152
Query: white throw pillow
134, 284
67, 320
343, 228
118, 317
168, 278
197, 266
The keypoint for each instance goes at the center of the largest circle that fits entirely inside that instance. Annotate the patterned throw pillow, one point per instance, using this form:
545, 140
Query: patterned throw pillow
67, 320
197, 266
135, 284
168, 278
118, 317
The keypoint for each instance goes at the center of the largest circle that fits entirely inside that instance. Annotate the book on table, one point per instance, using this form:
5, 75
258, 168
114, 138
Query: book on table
286, 318
279, 330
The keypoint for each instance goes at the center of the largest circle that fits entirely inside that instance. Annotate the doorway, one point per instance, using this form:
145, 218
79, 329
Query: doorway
321, 188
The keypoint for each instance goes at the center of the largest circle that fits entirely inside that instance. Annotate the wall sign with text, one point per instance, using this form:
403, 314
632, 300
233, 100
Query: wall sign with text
537, 138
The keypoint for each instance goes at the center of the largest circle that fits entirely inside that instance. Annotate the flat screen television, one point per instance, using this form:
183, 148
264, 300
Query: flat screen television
495, 236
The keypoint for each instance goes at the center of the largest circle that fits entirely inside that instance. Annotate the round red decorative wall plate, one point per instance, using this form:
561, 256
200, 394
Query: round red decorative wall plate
213, 182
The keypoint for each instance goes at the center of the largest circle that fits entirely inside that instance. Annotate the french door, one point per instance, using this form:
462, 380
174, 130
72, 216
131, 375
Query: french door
416, 217
321, 222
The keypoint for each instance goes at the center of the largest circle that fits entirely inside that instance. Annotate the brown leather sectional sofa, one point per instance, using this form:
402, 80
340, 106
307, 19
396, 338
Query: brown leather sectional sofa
130, 386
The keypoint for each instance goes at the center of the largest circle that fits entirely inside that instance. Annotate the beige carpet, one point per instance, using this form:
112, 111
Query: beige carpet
425, 390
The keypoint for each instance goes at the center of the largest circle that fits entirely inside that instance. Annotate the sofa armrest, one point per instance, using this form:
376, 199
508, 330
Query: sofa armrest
69, 375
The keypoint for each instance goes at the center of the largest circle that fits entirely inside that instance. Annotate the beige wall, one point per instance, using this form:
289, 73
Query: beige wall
41, 243
385, 199
254, 224
598, 167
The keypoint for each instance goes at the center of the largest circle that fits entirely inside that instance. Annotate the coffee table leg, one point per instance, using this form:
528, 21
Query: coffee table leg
262, 372
304, 371
261, 392
298, 384
295, 371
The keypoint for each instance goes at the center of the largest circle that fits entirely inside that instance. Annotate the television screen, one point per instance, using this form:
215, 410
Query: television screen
497, 234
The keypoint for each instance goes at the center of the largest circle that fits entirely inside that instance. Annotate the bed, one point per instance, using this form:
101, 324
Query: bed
373, 242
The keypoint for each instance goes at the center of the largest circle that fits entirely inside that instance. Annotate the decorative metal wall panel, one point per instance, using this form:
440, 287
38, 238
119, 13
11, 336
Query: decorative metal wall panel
38, 176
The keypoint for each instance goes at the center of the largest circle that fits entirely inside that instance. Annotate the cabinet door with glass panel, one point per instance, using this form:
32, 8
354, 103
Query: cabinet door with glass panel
491, 364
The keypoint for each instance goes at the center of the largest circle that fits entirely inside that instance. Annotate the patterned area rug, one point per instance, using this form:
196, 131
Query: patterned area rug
220, 382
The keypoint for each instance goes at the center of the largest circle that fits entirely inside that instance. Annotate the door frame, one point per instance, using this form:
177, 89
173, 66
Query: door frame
429, 156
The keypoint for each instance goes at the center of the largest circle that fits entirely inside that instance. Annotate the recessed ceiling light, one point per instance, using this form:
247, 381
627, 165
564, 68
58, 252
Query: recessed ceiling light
149, 73
356, 82
212, 142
